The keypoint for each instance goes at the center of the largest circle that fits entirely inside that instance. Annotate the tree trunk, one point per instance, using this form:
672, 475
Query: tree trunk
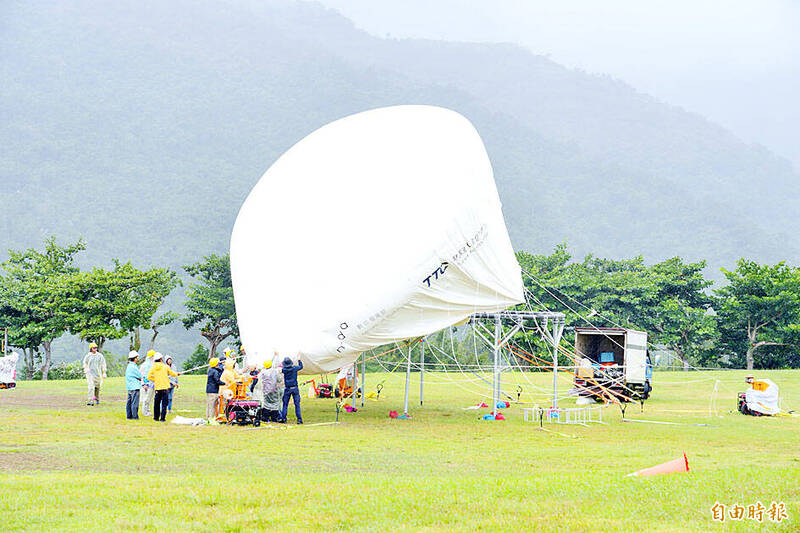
136, 340
28, 355
214, 342
750, 350
684, 359
153, 338
100, 342
46, 364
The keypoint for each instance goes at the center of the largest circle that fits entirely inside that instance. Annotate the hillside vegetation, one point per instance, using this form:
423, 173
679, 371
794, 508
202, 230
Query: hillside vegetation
142, 126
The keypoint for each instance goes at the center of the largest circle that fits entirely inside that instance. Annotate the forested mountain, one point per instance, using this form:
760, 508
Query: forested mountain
142, 126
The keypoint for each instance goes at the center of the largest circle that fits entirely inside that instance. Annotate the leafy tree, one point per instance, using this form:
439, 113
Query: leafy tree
108, 304
760, 307
669, 299
678, 316
30, 299
210, 300
199, 357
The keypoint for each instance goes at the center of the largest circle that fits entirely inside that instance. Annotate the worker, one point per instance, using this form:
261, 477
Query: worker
271, 380
213, 383
173, 383
148, 392
133, 382
291, 389
159, 374
228, 376
228, 354
94, 366
345, 381
761, 397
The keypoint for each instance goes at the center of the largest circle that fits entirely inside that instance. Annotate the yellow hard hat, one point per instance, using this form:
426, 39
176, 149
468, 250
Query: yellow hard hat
268, 364
214, 362
227, 351
92, 345
151, 353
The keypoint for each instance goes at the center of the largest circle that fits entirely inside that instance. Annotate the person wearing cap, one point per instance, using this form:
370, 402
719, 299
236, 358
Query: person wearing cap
291, 390
230, 354
148, 392
213, 382
133, 381
94, 366
159, 374
229, 375
173, 383
271, 383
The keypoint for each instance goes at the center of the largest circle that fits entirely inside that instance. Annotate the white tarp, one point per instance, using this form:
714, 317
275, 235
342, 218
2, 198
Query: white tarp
763, 401
8, 368
381, 226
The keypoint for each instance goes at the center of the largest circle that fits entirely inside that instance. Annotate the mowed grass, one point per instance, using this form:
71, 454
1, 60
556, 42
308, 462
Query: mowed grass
65, 466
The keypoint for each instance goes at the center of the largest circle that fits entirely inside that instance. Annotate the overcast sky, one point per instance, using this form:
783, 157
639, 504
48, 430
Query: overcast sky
736, 62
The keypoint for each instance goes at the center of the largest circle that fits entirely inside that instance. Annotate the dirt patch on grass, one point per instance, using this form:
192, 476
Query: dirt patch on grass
14, 399
20, 462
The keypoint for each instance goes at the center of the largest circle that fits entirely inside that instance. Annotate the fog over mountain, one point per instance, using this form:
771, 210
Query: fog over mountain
736, 62
142, 126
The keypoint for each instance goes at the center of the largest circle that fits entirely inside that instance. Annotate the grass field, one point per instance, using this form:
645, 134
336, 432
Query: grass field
65, 466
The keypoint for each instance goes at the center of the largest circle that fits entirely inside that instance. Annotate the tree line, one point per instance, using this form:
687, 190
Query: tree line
43, 296
753, 319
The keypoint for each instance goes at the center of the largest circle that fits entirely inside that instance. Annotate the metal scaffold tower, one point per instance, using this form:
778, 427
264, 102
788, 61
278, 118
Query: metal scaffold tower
505, 325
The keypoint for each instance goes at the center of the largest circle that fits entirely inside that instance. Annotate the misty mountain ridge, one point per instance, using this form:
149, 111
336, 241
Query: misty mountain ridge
142, 126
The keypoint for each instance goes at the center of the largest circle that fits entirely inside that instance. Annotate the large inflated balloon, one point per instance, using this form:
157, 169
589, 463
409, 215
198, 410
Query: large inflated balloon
381, 226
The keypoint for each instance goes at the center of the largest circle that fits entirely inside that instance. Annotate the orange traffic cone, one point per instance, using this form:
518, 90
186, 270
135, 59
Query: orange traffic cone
681, 464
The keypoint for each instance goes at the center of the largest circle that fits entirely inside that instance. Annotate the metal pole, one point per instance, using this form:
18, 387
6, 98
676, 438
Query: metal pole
355, 384
498, 332
421, 368
556, 338
363, 377
408, 378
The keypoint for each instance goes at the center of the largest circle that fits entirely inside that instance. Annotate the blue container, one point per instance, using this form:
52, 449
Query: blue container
607, 357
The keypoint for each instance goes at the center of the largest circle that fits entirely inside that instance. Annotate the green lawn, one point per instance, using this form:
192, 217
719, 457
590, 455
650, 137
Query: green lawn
66, 466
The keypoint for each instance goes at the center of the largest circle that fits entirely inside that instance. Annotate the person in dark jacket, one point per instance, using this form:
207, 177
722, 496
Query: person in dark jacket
212, 388
292, 390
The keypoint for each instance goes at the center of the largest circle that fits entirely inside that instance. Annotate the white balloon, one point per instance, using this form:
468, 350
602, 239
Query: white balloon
382, 226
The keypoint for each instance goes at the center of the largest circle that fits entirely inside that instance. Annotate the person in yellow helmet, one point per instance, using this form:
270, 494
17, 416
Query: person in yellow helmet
228, 376
213, 383
159, 374
94, 366
271, 383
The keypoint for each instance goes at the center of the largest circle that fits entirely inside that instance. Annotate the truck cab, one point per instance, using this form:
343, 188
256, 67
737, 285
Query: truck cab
612, 361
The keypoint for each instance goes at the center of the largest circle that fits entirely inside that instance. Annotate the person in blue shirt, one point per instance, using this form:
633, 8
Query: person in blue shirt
292, 390
133, 381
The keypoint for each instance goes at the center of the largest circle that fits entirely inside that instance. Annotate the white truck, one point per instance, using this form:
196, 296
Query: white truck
612, 361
